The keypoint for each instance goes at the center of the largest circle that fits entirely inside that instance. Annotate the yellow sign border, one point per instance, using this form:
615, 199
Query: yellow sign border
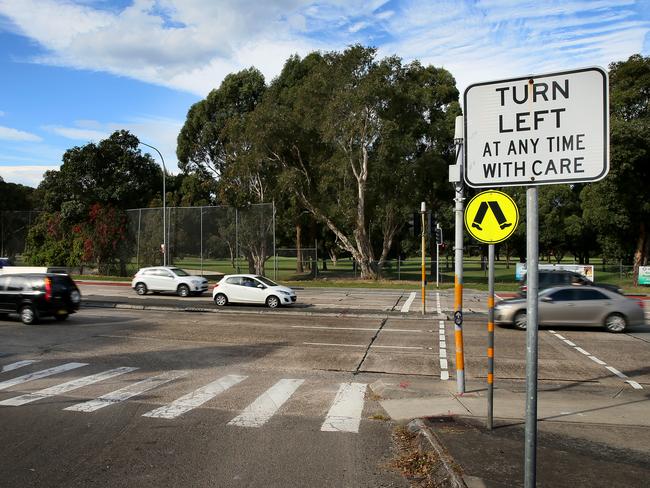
482, 194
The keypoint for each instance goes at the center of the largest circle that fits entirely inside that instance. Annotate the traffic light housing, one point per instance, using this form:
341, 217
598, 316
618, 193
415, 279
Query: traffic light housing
438, 235
415, 223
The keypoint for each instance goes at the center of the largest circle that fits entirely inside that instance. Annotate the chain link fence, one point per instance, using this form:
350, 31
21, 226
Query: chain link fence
204, 240
14, 226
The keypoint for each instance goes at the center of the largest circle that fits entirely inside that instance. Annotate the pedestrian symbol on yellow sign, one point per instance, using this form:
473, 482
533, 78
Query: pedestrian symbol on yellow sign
491, 217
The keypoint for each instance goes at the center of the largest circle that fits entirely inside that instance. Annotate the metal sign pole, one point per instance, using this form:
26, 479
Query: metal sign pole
490, 351
424, 269
458, 263
532, 261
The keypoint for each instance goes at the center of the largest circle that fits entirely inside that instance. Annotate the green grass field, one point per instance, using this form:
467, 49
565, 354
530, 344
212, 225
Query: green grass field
405, 274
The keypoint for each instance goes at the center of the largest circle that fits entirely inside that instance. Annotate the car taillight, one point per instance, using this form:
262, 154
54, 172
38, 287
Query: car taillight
641, 304
216, 284
48, 289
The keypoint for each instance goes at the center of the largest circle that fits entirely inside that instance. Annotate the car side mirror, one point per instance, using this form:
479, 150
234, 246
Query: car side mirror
546, 299
261, 287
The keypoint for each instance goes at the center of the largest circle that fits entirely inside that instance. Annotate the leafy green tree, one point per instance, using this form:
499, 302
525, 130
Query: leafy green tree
347, 133
618, 207
112, 172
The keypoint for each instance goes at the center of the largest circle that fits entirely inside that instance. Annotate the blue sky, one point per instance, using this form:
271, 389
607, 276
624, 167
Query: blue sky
74, 71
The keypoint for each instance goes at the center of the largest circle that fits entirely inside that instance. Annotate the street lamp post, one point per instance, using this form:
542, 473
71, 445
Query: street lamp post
164, 203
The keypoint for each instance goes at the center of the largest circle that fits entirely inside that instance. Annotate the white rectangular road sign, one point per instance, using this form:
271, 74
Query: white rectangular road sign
538, 129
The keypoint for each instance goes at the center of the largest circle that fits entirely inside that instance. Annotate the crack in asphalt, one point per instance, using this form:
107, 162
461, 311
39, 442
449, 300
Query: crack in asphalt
381, 326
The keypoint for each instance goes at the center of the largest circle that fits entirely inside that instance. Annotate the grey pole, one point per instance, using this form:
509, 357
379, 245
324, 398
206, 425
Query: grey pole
164, 203
275, 255
490, 375
236, 240
532, 261
137, 259
201, 241
458, 261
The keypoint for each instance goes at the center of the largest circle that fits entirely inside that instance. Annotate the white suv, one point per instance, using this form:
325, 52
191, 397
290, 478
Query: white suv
248, 288
162, 278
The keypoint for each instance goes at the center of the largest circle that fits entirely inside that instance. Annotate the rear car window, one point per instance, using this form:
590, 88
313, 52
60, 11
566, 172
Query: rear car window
234, 281
62, 282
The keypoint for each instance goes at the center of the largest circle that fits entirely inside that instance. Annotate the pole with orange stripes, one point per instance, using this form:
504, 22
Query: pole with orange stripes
458, 261
490, 351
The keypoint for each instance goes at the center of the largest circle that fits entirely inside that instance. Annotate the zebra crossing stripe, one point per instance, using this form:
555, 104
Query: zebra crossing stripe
40, 374
19, 364
407, 304
345, 413
127, 392
65, 387
195, 399
265, 406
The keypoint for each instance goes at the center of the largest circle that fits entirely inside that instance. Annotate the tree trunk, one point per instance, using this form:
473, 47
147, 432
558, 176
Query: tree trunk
299, 265
641, 252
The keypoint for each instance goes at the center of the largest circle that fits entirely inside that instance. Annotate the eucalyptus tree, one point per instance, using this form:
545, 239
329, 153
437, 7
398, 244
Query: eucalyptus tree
346, 133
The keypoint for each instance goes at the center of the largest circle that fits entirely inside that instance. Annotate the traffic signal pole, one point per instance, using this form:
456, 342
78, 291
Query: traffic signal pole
458, 260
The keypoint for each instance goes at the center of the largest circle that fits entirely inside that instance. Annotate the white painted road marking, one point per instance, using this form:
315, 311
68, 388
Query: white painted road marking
19, 364
596, 360
196, 398
127, 392
409, 301
40, 374
65, 387
438, 309
345, 413
265, 406
444, 373
361, 345
371, 329
634, 384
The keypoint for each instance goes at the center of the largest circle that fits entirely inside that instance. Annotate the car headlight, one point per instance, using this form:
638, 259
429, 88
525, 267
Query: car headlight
285, 292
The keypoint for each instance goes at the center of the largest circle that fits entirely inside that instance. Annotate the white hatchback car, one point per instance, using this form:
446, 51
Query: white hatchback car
163, 278
248, 288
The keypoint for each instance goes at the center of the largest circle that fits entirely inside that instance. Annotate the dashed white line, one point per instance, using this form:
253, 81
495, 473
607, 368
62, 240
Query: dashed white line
265, 406
611, 369
442, 342
409, 301
438, 309
596, 360
345, 413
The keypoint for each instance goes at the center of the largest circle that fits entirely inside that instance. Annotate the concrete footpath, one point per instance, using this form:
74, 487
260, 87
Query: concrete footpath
587, 437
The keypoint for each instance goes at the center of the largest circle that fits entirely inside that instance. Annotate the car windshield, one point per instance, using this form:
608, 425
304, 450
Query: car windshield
179, 272
266, 281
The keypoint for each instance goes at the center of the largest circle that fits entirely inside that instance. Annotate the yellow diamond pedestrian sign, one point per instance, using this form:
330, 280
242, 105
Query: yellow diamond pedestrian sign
491, 216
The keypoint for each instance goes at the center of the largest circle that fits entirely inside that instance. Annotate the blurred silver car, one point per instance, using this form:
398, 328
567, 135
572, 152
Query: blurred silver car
574, 305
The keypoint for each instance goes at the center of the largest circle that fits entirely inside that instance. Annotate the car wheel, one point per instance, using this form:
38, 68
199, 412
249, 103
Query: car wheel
221, 300
183, 291
28, 315
141, 289
273, 302
615, 323
520, 321
61, 317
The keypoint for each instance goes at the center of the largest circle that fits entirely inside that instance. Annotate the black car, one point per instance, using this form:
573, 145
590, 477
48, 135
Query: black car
548, 278
36, 295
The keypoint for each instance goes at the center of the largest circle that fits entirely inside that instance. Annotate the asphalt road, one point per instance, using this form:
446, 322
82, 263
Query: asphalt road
255, 399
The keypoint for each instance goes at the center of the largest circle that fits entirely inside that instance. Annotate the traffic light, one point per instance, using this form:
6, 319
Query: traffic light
438, 235
415, 223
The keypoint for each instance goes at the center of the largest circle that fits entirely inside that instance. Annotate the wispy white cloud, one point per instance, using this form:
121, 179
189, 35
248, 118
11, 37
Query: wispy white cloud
25, 175
10, 134
159, 132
